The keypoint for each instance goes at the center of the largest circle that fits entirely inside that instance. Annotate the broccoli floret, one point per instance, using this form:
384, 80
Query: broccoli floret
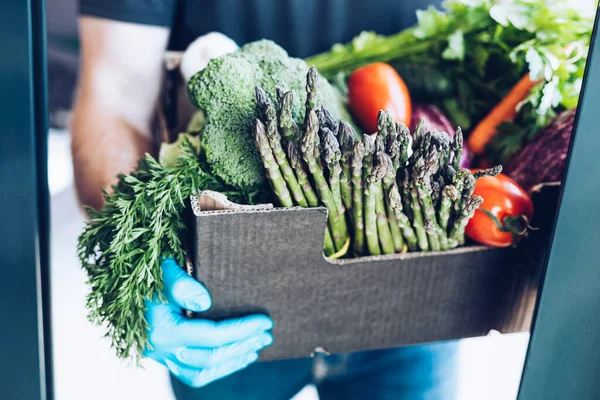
225, 92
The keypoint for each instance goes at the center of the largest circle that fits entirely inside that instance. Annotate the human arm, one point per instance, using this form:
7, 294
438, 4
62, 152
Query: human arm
118, 86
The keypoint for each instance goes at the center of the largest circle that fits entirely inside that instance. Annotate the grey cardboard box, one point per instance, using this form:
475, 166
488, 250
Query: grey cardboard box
271, 261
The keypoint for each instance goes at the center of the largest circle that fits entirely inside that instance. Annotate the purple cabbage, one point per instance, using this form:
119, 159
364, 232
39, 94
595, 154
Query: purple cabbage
543, 160
436, 121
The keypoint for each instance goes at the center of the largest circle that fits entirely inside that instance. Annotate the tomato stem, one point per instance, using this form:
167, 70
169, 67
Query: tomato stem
516, 225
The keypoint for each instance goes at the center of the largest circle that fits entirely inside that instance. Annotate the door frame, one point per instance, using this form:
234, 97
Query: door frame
24, 204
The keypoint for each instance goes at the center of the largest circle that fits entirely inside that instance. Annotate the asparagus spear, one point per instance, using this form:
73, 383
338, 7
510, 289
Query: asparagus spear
469, 186
458, 229
382, 124
428, 212
379, 144
346, 138
449, 195
369, 145
441, 141
326, 119
358, 153
391, 129
280, 156
459, 184
279, 92
457, 148
395, 203
289, 129
404, 141
312, 78
406, 194
422, 171
436, 191
371, 212
431, 227
450, 173
273, 173
393, 149
418, 221
313, 201
337, 221
299, 166
328, 246
262, 101
383, 227
332, 156
389, 179
418, 134
371, 218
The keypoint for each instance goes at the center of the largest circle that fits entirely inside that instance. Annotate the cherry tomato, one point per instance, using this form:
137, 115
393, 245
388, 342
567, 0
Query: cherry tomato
378, 87
504, 199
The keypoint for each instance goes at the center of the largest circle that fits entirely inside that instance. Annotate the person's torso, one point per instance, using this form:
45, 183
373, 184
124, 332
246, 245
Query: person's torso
302, 27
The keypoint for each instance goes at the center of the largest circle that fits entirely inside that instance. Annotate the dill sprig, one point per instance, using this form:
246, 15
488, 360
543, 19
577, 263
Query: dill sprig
123, 244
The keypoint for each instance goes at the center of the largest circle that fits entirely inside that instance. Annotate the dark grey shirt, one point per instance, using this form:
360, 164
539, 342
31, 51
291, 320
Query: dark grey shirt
302, 27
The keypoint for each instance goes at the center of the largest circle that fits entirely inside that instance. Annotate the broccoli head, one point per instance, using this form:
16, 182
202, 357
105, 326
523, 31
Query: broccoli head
225, 92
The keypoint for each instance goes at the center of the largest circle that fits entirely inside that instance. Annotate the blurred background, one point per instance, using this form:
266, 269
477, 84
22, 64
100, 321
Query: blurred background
84, 365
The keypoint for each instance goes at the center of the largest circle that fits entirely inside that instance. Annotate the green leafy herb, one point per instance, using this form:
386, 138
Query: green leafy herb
488, 45
123, 244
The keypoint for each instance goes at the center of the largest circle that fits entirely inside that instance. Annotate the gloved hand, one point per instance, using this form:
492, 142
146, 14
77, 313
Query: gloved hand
199, 351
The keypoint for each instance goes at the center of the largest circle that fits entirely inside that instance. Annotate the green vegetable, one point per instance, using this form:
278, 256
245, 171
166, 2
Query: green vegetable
425, 82
485, 47
457, 233
346, 137
384, 233
274, 140
337, 222
449, 195
123, 244
300, 169
358, 154
225, 92
271, 166
371, 216
395, 202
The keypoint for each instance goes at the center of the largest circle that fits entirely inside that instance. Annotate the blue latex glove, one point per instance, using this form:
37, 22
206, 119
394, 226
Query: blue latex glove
199, 351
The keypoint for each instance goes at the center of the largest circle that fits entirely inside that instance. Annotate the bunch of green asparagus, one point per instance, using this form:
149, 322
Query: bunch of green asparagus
386, 193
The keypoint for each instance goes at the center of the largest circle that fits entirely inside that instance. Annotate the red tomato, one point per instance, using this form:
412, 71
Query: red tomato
509, 203
378, 87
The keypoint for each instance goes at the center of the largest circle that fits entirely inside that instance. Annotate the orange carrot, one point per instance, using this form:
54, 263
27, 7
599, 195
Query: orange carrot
483, 133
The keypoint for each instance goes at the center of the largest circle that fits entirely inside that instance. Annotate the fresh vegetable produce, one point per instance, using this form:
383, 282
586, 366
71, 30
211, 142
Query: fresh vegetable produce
141, 223
378, 87
505, 111
437, 121
425, 82
388, 170
485, 47
224, 91
506, 213
303, 153
544, 159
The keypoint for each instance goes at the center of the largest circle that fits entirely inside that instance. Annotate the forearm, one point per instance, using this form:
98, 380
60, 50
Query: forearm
103, 145
121, 68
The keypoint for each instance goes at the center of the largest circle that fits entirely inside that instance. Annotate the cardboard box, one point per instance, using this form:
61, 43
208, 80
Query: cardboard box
271, 261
